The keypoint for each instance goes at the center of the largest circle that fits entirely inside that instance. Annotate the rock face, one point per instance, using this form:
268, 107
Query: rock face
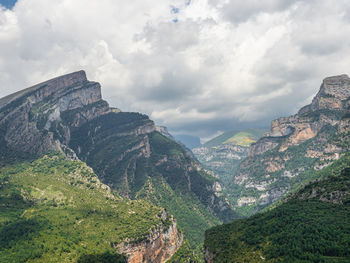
296, 145
333, 97
208, 256
30, 119
156, 248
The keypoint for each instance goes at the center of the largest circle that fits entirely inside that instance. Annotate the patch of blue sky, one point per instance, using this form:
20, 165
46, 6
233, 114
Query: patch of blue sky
174, 9
8, 3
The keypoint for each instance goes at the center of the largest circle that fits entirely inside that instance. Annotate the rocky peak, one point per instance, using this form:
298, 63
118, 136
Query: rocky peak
337, 86
27, 116
333, 96
333, 92
47, 88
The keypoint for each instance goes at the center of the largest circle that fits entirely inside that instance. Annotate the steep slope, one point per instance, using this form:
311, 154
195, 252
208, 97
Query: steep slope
139, 162
67, 114
295, 147
311, 225
56, 210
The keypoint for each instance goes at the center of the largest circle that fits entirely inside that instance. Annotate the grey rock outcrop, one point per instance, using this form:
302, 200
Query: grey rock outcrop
333, 95
39, 118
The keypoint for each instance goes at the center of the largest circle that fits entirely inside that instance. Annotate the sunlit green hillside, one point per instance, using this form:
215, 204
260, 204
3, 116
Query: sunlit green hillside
241, 138
55, 210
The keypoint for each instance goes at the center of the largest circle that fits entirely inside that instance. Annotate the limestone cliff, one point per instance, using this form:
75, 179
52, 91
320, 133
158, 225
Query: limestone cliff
33, 120
295, 146
327, 108
126, 151
157, 247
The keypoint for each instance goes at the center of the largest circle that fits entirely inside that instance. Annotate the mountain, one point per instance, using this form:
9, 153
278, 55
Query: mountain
126, 150
56, 210
310, 225
296, 146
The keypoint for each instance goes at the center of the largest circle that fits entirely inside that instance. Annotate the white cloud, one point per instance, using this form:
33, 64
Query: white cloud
198, 68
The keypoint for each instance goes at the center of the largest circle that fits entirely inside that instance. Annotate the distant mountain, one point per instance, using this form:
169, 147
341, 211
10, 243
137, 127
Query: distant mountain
295, 147
126, 150
188, 140
242, 138
222, 155
311, 225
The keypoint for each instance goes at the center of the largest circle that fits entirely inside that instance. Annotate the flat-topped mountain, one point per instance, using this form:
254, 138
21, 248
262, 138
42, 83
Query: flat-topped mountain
67, 114
297, 145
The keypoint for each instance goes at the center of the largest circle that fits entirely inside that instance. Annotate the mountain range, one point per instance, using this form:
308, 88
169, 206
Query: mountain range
81, 181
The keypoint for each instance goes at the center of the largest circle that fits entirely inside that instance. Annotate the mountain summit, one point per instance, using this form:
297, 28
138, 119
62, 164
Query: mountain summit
34, 120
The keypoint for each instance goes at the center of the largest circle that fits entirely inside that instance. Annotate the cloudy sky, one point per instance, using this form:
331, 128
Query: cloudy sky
195, 66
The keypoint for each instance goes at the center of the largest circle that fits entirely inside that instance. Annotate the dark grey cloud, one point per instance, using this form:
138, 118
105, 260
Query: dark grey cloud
174, 87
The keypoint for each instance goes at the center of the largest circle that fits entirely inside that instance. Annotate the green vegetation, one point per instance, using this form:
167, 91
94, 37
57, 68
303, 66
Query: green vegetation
312, 225
242, 138
107, 257
55, 210
192, 216
184, 255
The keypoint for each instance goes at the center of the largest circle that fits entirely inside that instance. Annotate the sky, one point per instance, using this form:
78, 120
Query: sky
8, 3
199, 67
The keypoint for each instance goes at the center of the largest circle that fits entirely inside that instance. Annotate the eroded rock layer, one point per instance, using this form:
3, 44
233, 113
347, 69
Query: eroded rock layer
159, 246
297, 145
